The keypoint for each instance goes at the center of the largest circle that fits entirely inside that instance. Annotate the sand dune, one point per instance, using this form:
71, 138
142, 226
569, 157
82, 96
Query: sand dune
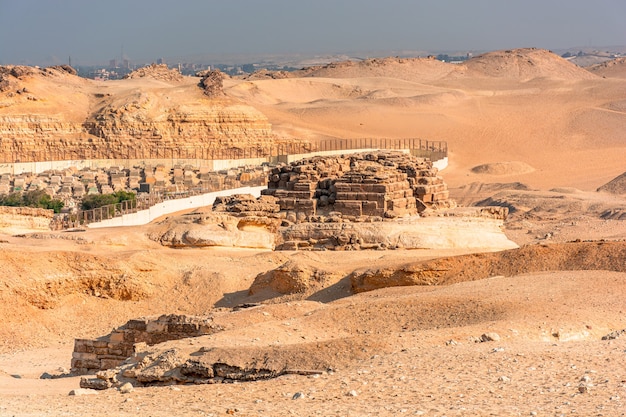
610, 69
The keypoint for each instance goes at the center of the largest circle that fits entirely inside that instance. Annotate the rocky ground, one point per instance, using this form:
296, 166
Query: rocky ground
503, 334
547, 355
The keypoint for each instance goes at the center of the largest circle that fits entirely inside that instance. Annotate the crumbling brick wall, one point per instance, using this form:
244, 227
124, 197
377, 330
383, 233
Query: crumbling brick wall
110, 351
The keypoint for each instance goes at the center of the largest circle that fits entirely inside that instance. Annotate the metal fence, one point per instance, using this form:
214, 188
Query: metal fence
174, 151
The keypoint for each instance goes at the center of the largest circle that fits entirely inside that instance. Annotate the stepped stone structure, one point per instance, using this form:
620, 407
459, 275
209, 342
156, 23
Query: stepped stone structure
382, 184
110, 351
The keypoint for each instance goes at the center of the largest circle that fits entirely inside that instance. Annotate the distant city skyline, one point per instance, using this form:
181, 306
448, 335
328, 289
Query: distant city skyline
45, 32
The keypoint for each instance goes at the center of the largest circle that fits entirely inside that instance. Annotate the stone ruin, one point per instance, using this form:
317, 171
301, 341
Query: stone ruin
382, 185
112, 350
347, 202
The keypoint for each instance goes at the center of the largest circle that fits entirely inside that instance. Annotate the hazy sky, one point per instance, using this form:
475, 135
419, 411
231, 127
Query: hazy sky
41, 31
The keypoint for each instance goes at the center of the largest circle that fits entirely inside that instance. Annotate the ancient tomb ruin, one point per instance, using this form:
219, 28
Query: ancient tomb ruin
381, 184
111, 350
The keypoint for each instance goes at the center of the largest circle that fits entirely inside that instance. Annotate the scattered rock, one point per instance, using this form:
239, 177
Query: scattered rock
127, 388
352, 393
614, 335
489, 337
297, 395
94, 383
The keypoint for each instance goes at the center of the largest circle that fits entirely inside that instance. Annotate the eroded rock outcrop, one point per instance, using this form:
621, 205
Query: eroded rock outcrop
201, 229
532, 258
52, 114
290, 278
212, 83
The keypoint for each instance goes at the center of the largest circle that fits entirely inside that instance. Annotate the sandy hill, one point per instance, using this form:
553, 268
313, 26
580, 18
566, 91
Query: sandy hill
616, 186
610, 69
521, 64
409, 69
524, 64
492, 110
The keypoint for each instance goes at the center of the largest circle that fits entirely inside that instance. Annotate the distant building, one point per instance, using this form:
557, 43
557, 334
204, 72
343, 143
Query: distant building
113, 63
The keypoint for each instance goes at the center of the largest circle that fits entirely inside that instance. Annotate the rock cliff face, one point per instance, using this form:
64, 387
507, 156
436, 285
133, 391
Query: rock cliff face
48, 114
24, 219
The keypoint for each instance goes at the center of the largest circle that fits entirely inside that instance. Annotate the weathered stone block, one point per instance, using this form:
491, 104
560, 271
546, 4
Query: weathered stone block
85, 356
94, 383
83, 345
86, 363
117, 336
156, 327
110, 363
441, 196
100, 343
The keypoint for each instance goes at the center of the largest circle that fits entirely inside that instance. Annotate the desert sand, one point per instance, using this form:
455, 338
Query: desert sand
526, 130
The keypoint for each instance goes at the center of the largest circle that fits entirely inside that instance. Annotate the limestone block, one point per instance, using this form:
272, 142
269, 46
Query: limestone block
86, 363
441, 196
156, 327
83, 345
111, 363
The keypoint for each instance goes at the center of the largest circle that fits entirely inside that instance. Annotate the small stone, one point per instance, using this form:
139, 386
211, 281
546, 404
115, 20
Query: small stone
451, 342
94, 383
582, 388
83, 391
504, 378
489, 337
45, 375
352, 393
297, 395
585, 378
127, 388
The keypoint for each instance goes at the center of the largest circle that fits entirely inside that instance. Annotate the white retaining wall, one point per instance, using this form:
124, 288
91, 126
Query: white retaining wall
172, 206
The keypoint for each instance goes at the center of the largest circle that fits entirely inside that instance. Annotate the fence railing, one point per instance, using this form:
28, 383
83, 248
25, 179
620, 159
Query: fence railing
133, 151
